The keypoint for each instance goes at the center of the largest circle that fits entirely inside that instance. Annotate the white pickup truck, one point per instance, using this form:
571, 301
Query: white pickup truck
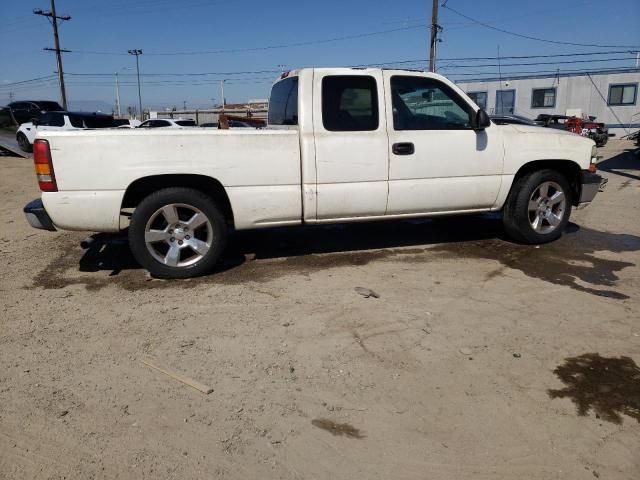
342, 145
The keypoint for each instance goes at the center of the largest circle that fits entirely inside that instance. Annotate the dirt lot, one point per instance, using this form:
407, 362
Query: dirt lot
481, 359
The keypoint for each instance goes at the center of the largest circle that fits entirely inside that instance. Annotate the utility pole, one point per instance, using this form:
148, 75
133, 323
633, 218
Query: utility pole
118, 96
222, 93
10, 97
54, 21
435, 28
184, 105
137, 52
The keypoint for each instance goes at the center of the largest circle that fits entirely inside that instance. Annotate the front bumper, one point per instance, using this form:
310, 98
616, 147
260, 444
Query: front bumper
37, 216
601, 139
591, 184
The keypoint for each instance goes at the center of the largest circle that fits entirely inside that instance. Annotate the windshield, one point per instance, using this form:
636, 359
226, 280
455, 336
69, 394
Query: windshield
186, 123
80, 121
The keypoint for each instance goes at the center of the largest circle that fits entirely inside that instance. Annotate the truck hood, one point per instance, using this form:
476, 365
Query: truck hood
540, 130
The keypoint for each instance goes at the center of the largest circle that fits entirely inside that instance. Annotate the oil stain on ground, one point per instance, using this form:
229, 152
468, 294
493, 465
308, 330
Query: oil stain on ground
608, 386
267, 254
572, 261
337, 429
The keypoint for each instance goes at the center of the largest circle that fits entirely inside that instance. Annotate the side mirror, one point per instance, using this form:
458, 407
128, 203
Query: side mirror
481, 120
35, 122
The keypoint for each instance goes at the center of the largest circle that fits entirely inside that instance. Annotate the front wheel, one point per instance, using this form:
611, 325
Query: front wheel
538, 207
177, 233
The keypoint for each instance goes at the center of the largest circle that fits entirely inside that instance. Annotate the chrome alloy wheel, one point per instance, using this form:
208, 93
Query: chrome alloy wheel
547, 206
178, 235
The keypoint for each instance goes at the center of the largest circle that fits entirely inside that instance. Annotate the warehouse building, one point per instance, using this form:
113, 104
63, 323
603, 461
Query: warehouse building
609, 95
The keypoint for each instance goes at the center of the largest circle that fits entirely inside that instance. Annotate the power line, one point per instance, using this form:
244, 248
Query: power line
267, 47
397, 62
180, 73
545, 72
48, 77
528, 37
538, 63
517, 57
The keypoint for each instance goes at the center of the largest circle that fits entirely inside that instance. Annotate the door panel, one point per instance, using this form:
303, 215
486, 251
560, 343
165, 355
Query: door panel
350, 128
452, 167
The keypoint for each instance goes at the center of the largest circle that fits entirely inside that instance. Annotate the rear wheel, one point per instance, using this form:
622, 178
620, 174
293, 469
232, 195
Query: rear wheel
538, 207
177, 233
23, 143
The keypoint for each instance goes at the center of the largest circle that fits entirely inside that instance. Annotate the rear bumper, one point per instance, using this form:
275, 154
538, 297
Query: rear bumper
592, 183
37, 215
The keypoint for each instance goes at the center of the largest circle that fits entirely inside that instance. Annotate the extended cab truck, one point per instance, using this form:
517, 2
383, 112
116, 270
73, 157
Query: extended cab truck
342, 145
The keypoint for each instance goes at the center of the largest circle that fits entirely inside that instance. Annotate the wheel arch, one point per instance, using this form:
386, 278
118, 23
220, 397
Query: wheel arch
142, 187
570, 169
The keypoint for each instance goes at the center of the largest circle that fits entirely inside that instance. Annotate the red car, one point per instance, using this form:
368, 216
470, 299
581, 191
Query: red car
598, 132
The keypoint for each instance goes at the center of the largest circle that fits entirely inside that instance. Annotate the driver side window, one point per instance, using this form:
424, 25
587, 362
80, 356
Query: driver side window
426, 104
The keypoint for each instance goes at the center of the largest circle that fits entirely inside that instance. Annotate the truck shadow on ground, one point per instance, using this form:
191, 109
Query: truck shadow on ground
608, 386
628, 160
259, 256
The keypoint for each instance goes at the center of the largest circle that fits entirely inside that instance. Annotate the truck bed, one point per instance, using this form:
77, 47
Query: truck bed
260, 170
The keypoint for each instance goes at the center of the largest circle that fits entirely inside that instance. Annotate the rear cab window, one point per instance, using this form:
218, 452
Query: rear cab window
76, 121
283, 104
350, 103
52, 120
99, 122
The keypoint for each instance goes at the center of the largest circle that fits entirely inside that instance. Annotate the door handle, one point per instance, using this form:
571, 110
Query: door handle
406, 148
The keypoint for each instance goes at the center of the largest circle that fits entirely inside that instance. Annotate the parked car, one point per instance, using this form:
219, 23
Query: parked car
598, 132
58, 121
25, 111
512, 120
126, 123
168, 123
342, 145
5, 117
232, 124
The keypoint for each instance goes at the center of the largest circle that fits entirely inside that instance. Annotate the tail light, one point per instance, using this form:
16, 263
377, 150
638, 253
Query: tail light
44, 166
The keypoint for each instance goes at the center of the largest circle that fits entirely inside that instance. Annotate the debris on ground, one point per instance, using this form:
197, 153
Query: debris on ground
181, 378
366, 292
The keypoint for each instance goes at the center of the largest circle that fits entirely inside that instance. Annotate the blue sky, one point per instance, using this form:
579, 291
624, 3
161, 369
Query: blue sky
110, 28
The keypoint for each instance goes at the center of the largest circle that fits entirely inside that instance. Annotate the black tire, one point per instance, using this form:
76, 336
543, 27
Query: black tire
183, 204
23, 143
519, 220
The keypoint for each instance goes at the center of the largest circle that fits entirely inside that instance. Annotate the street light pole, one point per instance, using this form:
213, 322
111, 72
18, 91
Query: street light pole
137, 52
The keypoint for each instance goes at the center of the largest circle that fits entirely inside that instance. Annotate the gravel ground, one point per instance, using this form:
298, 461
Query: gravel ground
481, 359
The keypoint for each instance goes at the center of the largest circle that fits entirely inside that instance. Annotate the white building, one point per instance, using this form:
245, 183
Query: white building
609, 95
